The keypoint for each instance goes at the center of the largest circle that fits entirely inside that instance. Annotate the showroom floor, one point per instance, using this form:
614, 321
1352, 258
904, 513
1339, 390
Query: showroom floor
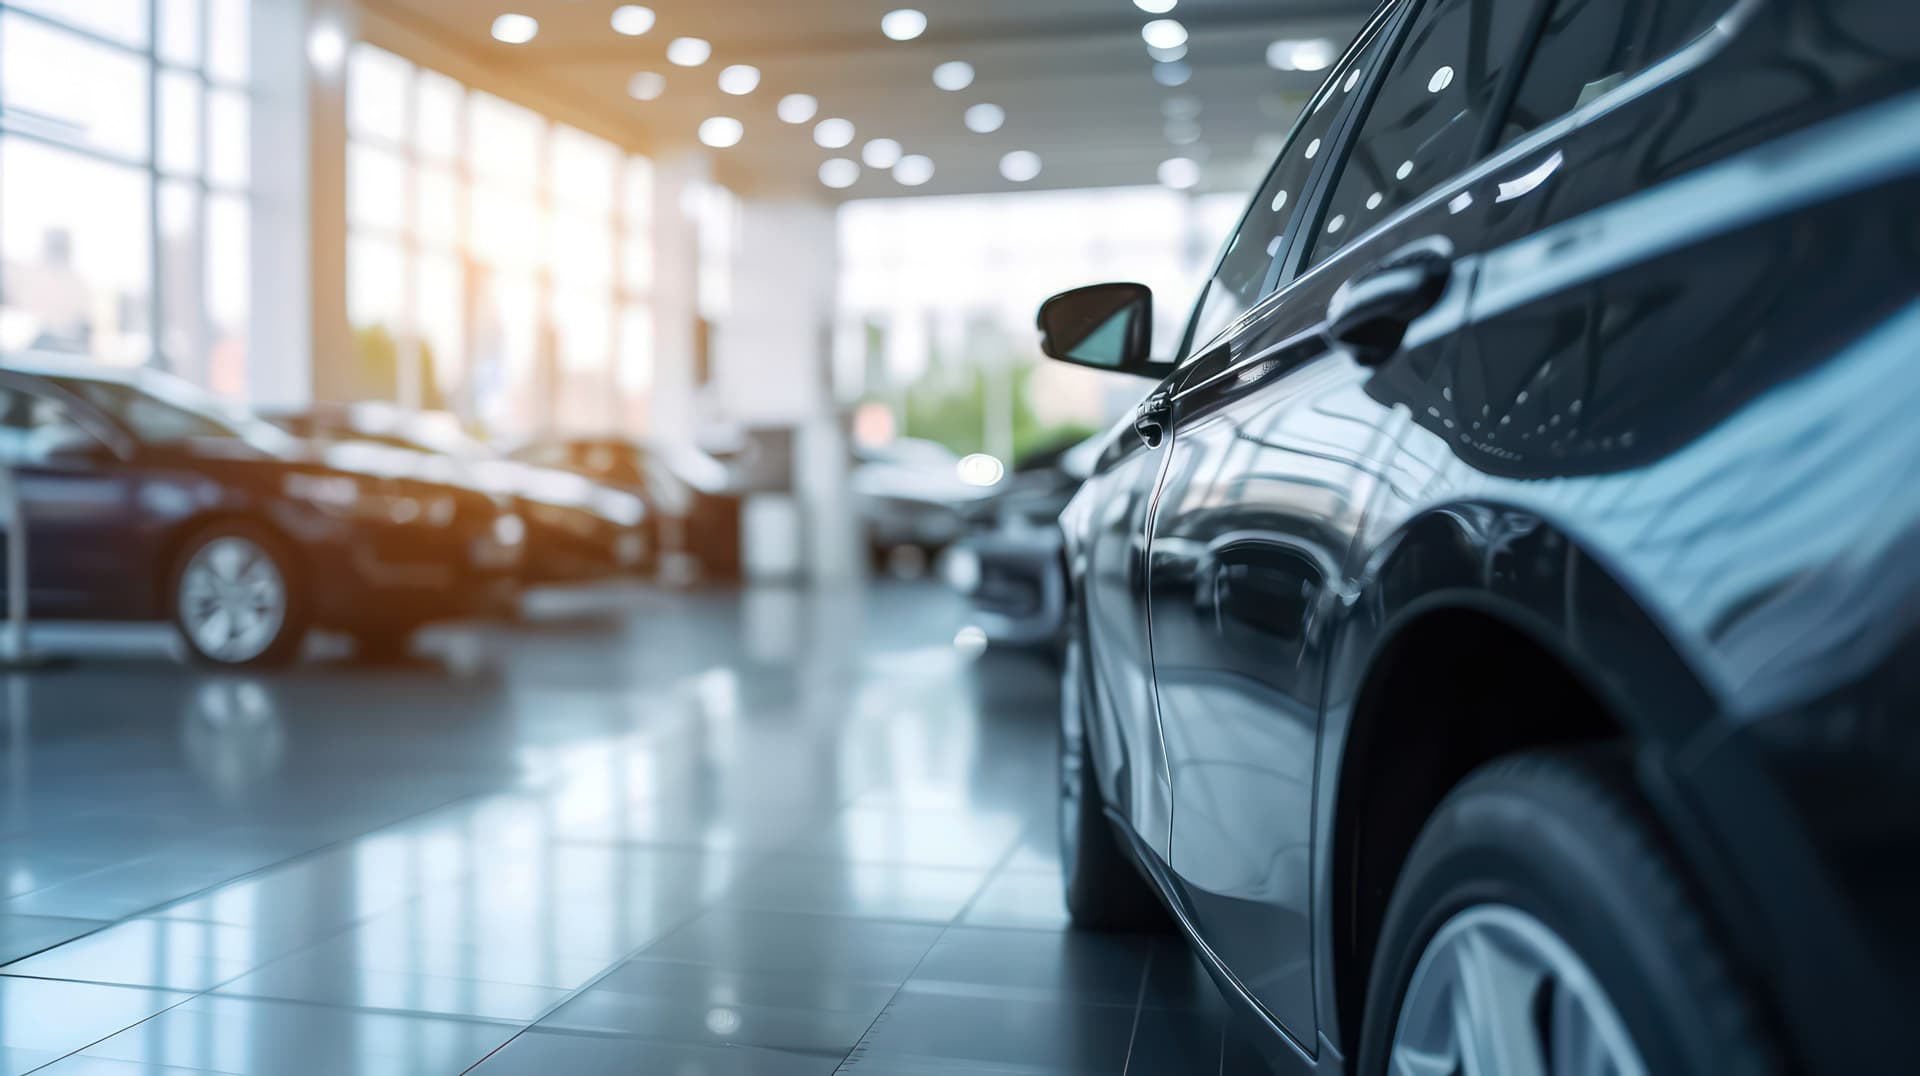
722, 833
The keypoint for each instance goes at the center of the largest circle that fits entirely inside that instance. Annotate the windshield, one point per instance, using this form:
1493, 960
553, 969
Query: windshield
161, 411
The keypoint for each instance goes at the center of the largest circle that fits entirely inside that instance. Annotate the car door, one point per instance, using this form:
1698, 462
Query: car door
75, 495
1278, 450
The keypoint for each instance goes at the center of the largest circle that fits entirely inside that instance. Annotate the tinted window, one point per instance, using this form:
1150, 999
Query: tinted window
1590, 46
33, 427
1431, 108
1240, 281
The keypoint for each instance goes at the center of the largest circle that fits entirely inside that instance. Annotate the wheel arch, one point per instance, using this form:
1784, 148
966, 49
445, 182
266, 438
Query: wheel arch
1476, 631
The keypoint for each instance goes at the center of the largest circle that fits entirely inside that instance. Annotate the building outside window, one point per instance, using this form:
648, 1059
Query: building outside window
125, 205
499, 263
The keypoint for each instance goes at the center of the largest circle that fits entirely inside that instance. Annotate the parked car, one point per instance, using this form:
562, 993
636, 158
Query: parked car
577, 529
692, 498
911, 497
1494, 638
146, 499
1009, 564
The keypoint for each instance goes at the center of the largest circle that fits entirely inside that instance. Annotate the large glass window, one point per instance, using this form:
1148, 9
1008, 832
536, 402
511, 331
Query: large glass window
500, 264
125, 162
1246, 266
1431, 108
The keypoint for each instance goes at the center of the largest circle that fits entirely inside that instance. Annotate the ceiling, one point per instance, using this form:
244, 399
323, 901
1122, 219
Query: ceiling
1074, 77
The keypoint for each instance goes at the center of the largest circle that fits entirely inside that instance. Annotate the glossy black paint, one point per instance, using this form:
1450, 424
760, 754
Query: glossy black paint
107, 518
577, 528
1659, 422
693, 503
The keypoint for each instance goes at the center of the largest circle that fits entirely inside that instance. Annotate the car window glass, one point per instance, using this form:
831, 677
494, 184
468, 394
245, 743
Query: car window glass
1590, 46
153, 421
1240, 280
1423, 124
33, 428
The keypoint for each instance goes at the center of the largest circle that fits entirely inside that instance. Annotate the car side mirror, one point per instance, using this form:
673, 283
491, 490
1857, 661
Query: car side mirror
1103, 326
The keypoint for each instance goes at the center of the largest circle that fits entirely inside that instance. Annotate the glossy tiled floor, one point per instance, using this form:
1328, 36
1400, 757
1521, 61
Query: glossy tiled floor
722, 833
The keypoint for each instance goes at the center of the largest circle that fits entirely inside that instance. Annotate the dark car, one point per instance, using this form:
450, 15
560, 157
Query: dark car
693, 499
577, 529
912, 499
1009, 563
145, 499
1496, 638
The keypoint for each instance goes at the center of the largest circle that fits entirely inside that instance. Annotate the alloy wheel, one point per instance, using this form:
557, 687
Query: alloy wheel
1498, 993
233, 599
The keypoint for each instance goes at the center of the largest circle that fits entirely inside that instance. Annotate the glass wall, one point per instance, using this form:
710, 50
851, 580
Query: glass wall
125, 153
499, 264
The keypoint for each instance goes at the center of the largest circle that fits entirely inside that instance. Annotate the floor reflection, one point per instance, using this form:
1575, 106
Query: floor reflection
731, 833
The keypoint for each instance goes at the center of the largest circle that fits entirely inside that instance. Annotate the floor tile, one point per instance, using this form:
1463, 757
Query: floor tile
918, 838
1032, 899
1059, 1036
24, 935
718, 1006
857, 950
547, 1053
329, 977
88, 1065
171, 953
860, 890
42, 1015
1037, 965
273, 1038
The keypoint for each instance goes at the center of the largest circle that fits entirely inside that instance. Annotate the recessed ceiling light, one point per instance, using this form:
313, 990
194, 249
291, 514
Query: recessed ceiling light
881, 153
646, 85
1164, 34
1155, 7
689, 51
985, 118
1020, 166
954, 75
739, 79
904, 24
1180, 173
839, 173
1313, 54
1174, 74
1167, 56
1183, 132
721, 132
913, 170
632, 19
516, 29
833, 133
797, 108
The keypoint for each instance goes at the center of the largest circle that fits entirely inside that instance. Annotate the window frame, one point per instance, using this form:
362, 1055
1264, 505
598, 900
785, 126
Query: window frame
1492, 158
81, 412
1387, 20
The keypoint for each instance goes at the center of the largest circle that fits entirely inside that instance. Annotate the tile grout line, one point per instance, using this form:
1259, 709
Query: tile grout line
1139, 1006
998, 866
713, 904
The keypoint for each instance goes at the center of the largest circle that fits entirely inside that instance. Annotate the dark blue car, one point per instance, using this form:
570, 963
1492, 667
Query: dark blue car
1495, 640
145, 499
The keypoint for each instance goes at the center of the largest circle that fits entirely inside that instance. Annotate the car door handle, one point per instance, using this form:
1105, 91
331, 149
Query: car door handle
1368, 317
1153, 417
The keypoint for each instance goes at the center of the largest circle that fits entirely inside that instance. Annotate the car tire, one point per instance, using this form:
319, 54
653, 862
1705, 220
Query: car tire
248, 575
1104, 889
1544, 876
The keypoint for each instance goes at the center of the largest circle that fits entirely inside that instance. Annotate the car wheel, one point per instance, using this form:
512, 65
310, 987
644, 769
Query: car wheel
1104, 890
1541, 925
236, 597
